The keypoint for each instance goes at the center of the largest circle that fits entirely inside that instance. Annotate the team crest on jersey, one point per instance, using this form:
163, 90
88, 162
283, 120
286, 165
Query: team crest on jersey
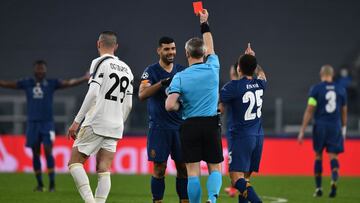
152, 153
37, 92
145, 75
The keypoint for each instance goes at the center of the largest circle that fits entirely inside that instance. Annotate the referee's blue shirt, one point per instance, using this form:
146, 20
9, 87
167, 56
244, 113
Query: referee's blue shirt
198, 86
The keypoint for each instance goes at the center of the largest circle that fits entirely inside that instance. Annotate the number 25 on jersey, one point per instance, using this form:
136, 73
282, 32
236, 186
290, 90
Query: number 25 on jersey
253, 99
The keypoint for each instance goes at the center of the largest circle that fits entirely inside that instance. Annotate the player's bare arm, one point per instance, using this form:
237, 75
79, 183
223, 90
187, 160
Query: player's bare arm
207, 36
344, 111
172, 102
75, 81
147, 90
8, 84
260, 73
306, 119
249, 50
221, 108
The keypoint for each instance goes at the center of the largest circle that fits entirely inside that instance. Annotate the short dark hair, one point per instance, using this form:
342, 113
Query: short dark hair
248, 64
165, 40
195, 47
235, 67
108, 38
40, 62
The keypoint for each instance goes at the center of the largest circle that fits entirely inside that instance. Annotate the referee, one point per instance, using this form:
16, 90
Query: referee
197, 88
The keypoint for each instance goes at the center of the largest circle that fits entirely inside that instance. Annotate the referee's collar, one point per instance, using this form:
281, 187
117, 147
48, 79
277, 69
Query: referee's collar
197, 63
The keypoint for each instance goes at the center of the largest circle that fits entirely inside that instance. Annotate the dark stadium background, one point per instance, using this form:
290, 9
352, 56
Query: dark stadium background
292, 39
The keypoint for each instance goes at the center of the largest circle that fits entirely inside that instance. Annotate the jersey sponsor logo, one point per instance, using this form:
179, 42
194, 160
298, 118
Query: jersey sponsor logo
145, 75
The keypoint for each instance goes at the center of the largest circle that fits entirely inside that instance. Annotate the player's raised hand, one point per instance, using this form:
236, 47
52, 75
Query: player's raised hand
249, 51
300, 137
166, 82
73, 130
204, 15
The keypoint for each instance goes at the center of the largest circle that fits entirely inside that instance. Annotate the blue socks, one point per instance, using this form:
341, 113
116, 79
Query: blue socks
252, 196
247, 191
157, 188
181, 188
213, 185
37, 169
334, 164
242, 199
318, 172
194, 189
51, 166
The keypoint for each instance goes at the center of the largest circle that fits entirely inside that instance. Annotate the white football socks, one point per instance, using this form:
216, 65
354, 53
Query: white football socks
103, 187
82, 182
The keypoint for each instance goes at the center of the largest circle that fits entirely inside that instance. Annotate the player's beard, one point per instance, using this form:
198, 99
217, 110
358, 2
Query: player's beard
168, 59
39, 76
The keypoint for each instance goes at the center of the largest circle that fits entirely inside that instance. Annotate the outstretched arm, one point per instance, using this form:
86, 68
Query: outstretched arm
74, 81
205, 30
8, 84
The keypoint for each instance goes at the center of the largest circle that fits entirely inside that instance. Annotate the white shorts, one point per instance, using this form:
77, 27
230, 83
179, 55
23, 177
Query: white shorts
90, 143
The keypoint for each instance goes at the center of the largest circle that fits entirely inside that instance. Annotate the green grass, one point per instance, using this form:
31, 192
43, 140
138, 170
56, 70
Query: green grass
129, 189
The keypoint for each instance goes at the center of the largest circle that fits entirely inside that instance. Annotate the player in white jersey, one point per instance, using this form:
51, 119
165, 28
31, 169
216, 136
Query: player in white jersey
105, 108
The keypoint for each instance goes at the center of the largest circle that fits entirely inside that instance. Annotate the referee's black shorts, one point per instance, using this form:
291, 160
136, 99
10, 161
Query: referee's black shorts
201, 140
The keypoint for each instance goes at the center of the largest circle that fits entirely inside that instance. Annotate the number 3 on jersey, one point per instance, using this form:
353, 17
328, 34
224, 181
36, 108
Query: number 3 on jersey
253, 99
124, 83
331, 98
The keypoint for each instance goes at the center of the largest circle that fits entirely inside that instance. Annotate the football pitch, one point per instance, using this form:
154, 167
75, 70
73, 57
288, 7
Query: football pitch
135, 188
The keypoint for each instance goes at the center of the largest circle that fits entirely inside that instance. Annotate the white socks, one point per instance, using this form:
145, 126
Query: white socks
82, 182
103, 187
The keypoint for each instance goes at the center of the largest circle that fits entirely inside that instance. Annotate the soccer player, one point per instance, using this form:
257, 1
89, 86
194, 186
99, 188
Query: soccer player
40, 122
244, 99
105, 108
231, 191
329, 103
163, 136
197, 89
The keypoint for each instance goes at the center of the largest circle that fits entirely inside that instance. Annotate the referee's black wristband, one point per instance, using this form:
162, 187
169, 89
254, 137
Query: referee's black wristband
204, 27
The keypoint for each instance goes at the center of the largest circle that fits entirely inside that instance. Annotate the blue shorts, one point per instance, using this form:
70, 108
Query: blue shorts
163, 142
245, 153
228, 139
38, 132
329, 137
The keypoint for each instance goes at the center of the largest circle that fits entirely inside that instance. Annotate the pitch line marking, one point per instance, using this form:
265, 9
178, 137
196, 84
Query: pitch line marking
274, 199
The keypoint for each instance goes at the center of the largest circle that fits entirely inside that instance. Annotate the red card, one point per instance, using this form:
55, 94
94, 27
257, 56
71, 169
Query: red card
198, 7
